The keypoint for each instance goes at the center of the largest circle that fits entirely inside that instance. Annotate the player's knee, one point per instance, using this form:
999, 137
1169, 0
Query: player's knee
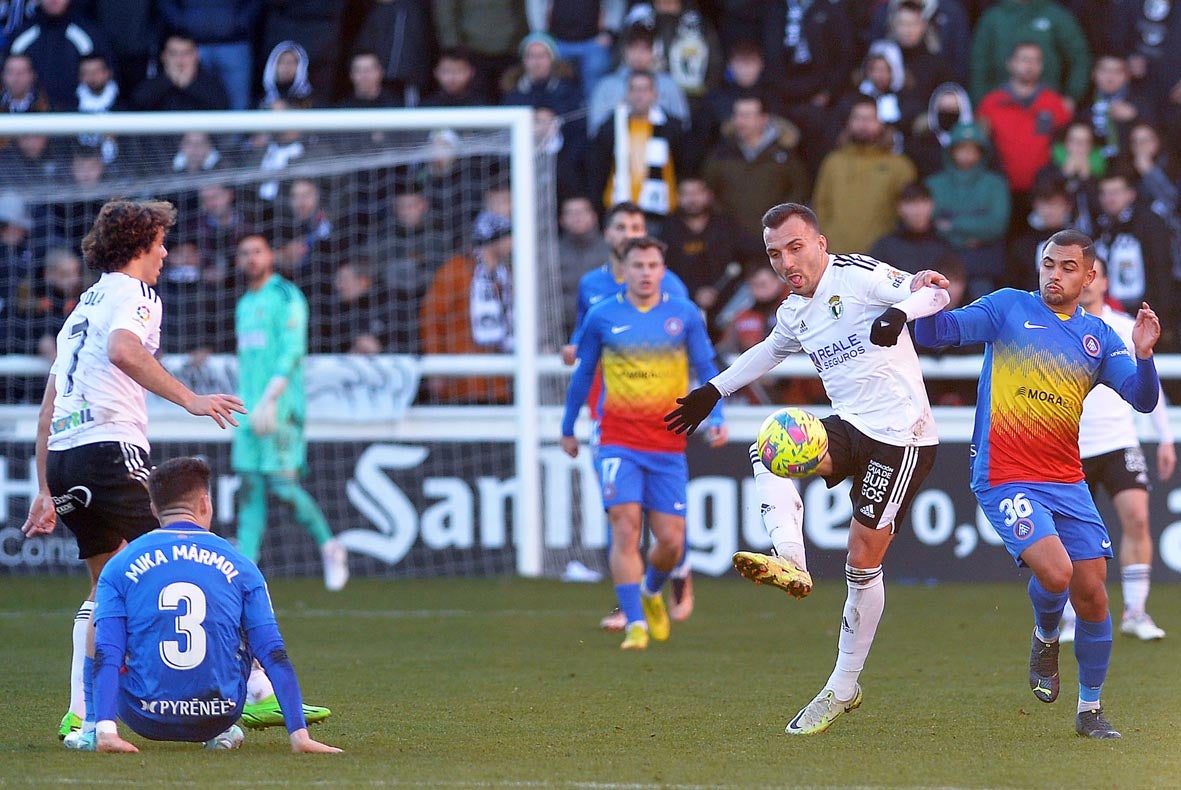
1090, 603
1055, 579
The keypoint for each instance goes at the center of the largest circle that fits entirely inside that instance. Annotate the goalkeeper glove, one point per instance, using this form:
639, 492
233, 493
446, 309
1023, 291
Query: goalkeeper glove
887, 327
694, 408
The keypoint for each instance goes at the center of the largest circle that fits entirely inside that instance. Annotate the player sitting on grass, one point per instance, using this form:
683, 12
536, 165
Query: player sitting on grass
170, 618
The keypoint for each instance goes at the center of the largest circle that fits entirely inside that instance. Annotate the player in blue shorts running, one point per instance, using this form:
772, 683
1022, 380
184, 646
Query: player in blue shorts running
178, 616
1044, 353
647, 341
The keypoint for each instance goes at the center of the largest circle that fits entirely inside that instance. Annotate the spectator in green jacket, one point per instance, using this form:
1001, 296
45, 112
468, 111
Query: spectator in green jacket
972, 208
1067, 62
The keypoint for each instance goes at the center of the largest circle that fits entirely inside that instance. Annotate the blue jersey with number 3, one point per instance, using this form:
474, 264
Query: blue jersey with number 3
188, 597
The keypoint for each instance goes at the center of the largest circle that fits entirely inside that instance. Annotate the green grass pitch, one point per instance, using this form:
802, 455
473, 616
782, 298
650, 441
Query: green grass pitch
508, 684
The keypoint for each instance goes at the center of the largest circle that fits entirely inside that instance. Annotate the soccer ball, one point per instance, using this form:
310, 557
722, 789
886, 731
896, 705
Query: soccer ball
792, 442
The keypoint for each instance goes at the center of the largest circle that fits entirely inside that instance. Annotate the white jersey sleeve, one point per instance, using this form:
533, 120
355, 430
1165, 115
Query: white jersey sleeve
758, 360
1108, 422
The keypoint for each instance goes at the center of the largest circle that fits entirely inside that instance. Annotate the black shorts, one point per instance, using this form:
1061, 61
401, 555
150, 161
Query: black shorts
100, 493
1119, 470
885, 476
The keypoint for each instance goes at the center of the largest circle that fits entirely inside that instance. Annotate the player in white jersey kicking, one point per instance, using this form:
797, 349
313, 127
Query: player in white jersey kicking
849, 314
1113, 459
92, 445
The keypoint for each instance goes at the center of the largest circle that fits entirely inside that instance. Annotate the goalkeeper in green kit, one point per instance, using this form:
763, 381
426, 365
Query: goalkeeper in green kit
269, 451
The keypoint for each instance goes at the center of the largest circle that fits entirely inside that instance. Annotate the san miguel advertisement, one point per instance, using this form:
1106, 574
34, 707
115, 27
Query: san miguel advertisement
446, 508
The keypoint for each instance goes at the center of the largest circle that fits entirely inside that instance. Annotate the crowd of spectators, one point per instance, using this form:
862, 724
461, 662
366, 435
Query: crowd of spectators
955, 134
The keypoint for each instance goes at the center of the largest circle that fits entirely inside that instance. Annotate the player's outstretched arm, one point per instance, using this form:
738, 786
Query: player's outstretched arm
127, 352
302, 743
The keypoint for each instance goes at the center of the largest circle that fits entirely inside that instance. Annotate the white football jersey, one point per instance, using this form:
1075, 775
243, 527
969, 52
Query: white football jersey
96, 401
1108, 421
878, 389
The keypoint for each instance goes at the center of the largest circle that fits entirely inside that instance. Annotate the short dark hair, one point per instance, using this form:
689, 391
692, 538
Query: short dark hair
178, 481
1074, 238
777, 215
1026, 42
123, 230
456, 53
253, 234
751, 95
915, 190
644, 243
365, 53
745, 47
623, 207
1123, 171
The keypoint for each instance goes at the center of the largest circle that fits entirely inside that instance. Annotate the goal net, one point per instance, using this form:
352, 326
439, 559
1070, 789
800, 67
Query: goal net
423, 378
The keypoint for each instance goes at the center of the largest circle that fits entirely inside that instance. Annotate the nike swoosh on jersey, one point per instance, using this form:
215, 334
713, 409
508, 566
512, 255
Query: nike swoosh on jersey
1033, 326
597, 298
615, 330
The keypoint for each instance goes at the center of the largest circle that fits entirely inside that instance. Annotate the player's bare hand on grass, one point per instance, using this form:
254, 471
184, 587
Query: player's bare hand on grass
302, 743
570, 446
694, 408
219, 408
112, 743
928, 277
1146, 331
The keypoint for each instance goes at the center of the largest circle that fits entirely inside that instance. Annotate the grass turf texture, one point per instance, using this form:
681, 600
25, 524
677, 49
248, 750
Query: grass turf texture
507, 683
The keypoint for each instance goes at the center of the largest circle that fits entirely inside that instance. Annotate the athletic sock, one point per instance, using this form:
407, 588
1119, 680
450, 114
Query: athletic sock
77, 659
859, 622
1047, 609
654, 581
88, 693
1092, 650
684, 567
258, 686
629, 602
1135, 580
782, 512
307, 512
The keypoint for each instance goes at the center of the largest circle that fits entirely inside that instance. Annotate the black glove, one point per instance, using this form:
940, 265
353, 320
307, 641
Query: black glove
887, 327
694, 408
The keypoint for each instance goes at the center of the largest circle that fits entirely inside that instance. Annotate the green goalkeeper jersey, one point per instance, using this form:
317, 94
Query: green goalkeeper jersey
271, 325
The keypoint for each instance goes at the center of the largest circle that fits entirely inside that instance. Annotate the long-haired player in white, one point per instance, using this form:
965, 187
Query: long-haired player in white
1112, 458
849, 314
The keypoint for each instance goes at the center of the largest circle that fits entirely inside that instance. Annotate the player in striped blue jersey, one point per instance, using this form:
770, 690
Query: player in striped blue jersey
178, 615
625, 221
647, 341
1044, 353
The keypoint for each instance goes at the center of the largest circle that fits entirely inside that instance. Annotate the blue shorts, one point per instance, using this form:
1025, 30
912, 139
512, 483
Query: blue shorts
189, 729
1024, 513
658, 481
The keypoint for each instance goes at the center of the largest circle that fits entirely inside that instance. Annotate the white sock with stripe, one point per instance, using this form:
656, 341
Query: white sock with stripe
81, 623
781, 510
859, 623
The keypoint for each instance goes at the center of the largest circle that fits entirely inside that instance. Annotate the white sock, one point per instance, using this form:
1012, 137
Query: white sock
859, 623
684, 567
782, 512
1085, 706
1135, 580
81, 623
1068, 615
258, 686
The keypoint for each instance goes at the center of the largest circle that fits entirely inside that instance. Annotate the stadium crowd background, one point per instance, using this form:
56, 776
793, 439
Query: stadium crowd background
948, 134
